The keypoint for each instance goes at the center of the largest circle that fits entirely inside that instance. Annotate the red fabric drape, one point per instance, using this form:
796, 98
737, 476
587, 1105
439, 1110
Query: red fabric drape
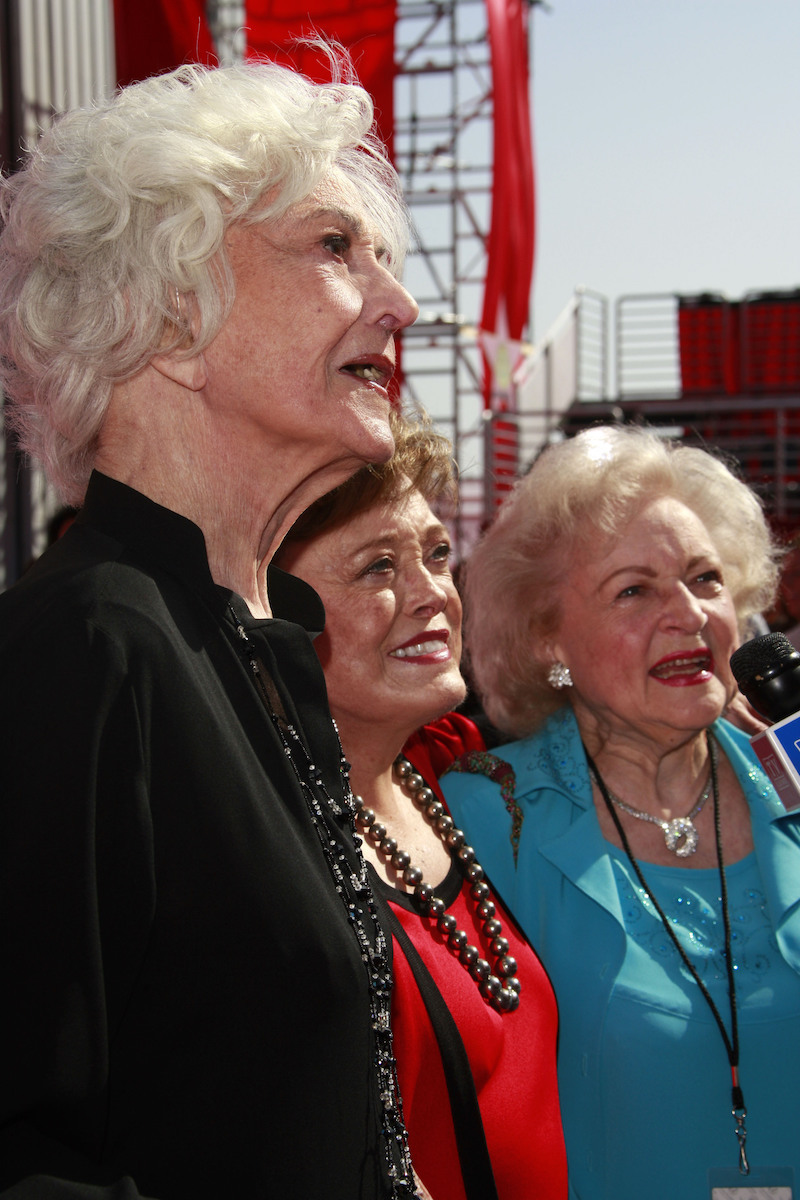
152, 36
364, 27
511, 242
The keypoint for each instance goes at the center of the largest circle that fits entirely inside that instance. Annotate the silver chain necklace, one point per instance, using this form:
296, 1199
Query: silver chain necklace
738, 1108
680, 834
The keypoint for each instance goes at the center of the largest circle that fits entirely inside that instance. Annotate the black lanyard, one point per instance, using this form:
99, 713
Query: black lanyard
731, 1042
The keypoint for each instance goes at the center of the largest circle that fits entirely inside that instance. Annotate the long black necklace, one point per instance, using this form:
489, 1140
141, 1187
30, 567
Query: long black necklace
738, 1110
356, 894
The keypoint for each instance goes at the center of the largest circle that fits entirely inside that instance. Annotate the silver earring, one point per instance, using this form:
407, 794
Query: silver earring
558, 676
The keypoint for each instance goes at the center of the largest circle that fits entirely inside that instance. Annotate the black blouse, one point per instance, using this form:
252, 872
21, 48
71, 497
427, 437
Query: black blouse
182, 1001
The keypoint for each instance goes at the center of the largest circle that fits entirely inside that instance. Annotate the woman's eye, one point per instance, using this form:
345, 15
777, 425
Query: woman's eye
379, 566
711, 576
634, 589
337, 243
441, 553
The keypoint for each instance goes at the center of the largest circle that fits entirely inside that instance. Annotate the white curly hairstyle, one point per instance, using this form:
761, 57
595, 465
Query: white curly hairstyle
123, 206
577, 491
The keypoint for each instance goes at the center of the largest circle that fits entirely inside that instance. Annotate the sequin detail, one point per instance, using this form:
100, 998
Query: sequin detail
481, 762
693, 908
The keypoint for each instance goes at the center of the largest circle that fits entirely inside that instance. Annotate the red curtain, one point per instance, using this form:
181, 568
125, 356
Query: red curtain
511, 242
709, 340
771, 342
364, 27
152, 36
745, 346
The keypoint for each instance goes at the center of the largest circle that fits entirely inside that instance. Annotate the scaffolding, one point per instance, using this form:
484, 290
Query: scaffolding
443, 153
707, 370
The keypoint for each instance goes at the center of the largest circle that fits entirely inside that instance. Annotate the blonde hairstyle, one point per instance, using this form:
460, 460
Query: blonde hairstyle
580, 490
113, 231
422, 461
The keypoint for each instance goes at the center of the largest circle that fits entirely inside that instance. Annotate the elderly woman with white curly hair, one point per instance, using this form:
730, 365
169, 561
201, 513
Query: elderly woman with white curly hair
199, 298
631, 830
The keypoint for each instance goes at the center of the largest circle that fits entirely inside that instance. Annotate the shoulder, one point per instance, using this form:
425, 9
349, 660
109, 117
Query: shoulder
737, 747
527, 780
79, 612
444, 740
433, 748
552, 758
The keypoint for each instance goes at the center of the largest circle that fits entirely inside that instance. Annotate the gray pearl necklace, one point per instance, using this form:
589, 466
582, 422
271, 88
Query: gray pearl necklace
499, 987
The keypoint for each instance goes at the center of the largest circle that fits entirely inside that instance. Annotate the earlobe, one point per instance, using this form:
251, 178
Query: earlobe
190, 373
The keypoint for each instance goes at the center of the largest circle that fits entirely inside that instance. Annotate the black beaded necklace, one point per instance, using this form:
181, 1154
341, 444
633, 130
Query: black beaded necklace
355, 891
500, 987
738, 1109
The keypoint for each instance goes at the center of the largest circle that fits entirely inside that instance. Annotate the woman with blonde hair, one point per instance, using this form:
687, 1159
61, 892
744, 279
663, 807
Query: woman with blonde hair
631, 829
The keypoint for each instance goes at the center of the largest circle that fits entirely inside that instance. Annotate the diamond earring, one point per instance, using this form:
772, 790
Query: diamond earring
558, 676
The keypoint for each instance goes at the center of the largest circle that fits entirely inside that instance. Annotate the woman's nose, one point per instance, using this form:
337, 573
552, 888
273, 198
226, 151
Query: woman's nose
427, 592
685, 610
397, 308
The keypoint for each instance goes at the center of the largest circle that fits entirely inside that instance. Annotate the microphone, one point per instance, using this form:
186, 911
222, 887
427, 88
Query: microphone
767, 670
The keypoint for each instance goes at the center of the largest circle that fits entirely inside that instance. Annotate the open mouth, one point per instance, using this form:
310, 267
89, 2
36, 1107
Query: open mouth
422, 649
696, 666
369, 372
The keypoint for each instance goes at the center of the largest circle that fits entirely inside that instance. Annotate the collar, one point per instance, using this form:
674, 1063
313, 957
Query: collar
162, 538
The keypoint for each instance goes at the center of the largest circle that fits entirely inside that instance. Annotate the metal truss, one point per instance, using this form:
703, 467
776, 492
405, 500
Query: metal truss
443, 153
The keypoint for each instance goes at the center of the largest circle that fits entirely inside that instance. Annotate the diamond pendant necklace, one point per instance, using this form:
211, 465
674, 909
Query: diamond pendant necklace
680, 834
499, 987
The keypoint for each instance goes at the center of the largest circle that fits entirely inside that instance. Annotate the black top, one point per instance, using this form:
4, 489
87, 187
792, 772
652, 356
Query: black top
182, 1000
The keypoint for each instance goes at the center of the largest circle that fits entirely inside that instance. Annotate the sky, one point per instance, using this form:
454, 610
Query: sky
666, 148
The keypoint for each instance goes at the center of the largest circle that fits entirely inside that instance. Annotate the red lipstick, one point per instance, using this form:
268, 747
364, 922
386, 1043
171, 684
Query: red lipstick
684, 668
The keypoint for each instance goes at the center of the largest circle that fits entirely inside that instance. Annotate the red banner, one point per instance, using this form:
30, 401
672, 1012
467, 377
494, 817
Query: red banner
511, 243
364, 27
152, 36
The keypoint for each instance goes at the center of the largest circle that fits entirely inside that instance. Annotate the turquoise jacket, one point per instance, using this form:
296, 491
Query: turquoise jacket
563, 892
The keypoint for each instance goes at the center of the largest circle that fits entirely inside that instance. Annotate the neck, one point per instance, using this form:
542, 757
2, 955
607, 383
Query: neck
372, 760
243, 493
657, 777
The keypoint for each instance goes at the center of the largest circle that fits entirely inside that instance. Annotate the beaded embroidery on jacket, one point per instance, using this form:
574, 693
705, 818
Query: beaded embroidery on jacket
356, 894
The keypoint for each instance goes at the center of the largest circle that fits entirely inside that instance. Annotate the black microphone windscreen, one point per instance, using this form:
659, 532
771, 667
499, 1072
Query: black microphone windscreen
762, 656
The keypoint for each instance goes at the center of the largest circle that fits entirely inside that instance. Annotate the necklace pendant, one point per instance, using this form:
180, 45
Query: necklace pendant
680, 836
